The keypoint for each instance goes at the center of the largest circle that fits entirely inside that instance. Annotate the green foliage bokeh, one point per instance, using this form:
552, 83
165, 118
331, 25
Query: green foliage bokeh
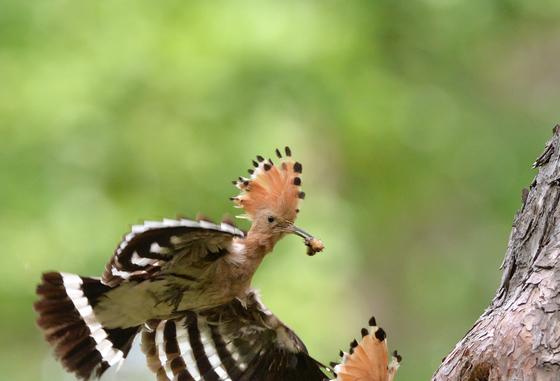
416, 123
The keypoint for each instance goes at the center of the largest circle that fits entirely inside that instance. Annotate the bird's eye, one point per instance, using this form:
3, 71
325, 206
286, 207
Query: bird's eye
270, 219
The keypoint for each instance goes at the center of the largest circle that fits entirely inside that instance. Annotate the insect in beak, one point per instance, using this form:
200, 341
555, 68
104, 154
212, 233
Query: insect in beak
314, 245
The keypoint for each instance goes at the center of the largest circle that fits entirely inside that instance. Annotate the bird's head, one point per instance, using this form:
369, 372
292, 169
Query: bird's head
271, 197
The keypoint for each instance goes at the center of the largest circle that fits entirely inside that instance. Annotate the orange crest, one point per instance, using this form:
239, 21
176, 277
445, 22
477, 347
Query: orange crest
368, 359
271, 188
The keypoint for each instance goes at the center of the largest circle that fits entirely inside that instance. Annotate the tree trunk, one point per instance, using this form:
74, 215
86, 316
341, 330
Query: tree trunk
518, 336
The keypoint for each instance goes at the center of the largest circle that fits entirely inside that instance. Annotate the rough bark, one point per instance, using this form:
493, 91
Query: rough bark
518, 336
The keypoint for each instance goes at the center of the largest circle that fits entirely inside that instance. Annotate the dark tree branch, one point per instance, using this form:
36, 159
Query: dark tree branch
518, 336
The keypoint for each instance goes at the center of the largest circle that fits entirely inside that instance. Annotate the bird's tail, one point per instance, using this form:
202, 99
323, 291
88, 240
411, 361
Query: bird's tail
66, 316
368, 359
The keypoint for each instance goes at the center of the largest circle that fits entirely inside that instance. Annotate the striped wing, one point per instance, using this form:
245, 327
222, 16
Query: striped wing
157, 245
229, 343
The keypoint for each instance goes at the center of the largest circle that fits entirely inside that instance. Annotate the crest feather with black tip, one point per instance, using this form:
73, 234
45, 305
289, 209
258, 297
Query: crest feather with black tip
368, 359
271, 187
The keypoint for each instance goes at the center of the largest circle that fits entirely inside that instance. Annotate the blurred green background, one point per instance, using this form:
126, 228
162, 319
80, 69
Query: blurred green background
416, 121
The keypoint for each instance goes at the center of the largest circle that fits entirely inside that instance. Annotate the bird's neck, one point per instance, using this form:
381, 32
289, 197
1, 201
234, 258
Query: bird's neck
260, 240
255, 247
259, 243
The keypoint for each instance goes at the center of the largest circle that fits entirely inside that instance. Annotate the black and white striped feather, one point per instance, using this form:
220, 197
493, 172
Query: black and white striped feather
240, 341
67, 317
155, 245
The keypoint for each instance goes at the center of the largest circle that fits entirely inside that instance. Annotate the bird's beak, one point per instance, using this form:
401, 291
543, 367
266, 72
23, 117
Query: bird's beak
302, 233
313, 244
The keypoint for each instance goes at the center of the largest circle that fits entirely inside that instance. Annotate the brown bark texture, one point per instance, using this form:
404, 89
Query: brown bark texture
518, 336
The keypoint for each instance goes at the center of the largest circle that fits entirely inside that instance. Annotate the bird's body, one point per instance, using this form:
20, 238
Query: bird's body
206, 278
200, 265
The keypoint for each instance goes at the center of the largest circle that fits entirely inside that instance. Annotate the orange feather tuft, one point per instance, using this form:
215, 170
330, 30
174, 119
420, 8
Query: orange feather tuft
368, 359
270, 187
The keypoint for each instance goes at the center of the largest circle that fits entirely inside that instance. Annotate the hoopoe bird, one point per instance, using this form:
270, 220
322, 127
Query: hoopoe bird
185, 286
